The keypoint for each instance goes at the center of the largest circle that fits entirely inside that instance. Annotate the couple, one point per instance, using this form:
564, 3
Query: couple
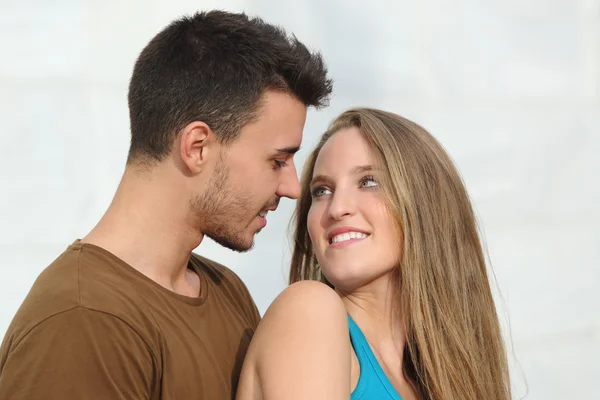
389, 295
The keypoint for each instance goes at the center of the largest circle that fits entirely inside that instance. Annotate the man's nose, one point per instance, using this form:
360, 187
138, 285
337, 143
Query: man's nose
290, 185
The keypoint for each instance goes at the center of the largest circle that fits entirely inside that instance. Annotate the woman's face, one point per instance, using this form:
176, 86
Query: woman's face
353, 234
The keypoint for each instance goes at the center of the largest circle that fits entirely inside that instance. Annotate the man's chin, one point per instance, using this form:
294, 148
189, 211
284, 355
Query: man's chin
236, 244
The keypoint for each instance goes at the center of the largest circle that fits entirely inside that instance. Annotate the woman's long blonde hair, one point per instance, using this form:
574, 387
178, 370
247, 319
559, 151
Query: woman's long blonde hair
454, 347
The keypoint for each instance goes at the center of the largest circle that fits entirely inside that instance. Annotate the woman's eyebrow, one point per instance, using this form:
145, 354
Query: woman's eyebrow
362, 168
319, 178
359, 169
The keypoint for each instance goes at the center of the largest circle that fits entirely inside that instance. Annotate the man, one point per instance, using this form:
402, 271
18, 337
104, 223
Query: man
217, 107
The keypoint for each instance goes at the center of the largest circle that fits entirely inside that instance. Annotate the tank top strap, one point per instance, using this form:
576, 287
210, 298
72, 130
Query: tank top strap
372, 377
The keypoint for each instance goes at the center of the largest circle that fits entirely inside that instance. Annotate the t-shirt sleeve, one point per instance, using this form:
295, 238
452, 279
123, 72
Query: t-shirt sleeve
252, 309
79, 354
246, 300
234, 287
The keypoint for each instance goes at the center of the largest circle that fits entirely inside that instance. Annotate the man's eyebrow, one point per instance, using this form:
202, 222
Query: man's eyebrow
289, 150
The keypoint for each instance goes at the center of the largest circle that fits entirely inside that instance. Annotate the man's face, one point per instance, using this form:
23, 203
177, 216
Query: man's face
254, 172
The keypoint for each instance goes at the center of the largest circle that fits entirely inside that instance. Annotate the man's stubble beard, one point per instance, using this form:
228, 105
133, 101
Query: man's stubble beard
223, 214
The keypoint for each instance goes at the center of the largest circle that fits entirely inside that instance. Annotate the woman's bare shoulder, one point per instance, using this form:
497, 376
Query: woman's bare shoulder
301, 348
309, 300
303, 312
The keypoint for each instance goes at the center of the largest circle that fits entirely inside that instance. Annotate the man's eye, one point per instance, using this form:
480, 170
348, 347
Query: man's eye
280, 164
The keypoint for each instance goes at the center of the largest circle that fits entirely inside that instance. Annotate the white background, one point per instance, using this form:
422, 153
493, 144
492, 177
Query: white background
511, 88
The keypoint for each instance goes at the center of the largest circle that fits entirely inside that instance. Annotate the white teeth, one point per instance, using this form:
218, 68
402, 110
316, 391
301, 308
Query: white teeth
347, 236
262, 214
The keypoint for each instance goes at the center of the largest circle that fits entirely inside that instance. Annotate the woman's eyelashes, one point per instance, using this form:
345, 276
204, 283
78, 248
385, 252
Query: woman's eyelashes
366, 182
319, 191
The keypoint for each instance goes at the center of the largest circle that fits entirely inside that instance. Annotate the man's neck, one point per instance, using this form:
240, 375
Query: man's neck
147, 226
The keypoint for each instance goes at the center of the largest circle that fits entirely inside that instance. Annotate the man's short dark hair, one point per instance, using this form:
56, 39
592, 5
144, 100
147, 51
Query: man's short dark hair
215, 67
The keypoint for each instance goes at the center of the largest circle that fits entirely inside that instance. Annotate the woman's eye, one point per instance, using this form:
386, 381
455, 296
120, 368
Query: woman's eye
320, 191
368, 181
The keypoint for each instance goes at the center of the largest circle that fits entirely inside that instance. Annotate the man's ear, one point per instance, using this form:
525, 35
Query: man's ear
196, 144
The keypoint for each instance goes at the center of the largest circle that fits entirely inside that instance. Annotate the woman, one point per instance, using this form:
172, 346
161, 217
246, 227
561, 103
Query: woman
389, 295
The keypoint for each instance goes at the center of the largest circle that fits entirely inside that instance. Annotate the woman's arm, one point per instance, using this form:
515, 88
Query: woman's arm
301, 348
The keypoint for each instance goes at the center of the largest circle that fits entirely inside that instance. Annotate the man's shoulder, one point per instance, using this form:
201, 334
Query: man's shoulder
62, 287
228, 286
54, 291
217, 272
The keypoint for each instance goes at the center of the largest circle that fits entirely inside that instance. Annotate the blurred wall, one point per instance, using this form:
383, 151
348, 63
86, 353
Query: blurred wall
511, 88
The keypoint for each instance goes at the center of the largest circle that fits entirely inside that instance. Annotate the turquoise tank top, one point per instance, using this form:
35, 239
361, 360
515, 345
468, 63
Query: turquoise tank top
373, 384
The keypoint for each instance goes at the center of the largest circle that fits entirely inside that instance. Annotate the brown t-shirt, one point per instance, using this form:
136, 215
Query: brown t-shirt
93, 327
